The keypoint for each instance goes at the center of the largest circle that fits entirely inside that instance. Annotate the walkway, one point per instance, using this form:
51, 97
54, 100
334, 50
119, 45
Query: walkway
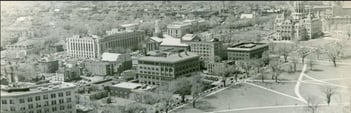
297, 86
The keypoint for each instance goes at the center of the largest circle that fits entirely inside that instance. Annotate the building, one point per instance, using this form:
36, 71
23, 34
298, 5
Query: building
206, 49
124, 89
94, 46
179, 29
110, 64
215, 68
48, 65
246, 51
300, 25
247, 16
157, 70
83, 47
53, 77
44, 98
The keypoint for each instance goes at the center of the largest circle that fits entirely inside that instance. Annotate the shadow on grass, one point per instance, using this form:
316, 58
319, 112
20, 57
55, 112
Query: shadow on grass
317, 70
211, 97
204, 106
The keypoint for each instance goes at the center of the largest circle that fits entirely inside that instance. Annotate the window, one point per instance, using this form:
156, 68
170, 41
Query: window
38, 105
46, 110
39, 111
53, 102
54, 109
37, 98
53, 95
62, 107
21, 100
61, 101
12, 108
23, 108
68, 93
11, 102
31, 112
69, 106
30, 99
60, 94
3, 101
68, 100
30, 106
46, 103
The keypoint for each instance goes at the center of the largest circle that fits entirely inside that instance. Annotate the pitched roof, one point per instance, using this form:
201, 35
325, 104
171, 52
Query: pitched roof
170, 41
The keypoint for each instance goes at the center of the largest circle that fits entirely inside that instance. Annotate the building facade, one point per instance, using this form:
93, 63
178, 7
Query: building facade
46, 98
157, 70
179, 29
110, 63
94, 46
246, 51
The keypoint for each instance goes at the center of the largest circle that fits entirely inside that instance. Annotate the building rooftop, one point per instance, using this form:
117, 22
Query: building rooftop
248, 46
170, 57
157, 39
170, 41
110, 56
188, 37
128, 85
7, 91
250, 16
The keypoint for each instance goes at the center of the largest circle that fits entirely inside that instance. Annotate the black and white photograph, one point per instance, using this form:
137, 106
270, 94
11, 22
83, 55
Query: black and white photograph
175, 56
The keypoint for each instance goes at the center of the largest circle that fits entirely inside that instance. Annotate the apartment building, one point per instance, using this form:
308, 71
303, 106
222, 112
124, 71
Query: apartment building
157, 70
45, 98
245, 51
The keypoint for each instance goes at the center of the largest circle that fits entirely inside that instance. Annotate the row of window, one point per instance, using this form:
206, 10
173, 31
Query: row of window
46, 110
37, 98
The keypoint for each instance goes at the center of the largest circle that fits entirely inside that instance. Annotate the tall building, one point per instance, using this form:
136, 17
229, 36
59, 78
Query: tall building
157, 70
246, 51
44, 98
94, 46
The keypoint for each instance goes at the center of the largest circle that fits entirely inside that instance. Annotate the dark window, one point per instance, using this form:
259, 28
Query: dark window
60, 94
30, 99
37, 98
53, 102
3, 101
68, 100
53, 95
21, 100
68, 93
30, 106
45, 97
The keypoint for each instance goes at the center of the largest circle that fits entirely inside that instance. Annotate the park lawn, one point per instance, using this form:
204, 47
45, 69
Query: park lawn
321, 109
286, 87
316, 92
284, 76
325, 72
240, 96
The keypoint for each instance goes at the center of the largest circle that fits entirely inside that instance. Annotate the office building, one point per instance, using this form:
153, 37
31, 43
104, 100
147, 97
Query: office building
44, 98
94, 46
157, 70
246, 51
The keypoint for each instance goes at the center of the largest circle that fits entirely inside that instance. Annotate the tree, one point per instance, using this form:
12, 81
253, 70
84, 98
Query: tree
276, 69
134, 108
284, 51
312, 105
165, 94
303, 53
333, 50
246, 66
311, 62
196, 88
225, 74
294, 61
183, 88
328, 92
108, 100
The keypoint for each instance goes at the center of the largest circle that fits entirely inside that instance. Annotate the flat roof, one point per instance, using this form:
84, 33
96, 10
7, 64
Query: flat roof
38, 89
170, 58
170, 41
110, 56
127, 85
246, 46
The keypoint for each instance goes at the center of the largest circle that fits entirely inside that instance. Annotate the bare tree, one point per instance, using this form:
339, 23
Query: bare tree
294, 61
328, 92
333, 50
196, 88
312, 105
276, 69
303, 53
311, 62
284, 51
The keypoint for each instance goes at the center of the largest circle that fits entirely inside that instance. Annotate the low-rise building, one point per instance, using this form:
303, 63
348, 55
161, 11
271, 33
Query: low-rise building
44, 98
110, 63
48, 65
157, 70
124, 89
246, 51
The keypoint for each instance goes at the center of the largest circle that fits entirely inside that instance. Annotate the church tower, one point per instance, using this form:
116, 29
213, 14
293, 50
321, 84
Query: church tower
298, 10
